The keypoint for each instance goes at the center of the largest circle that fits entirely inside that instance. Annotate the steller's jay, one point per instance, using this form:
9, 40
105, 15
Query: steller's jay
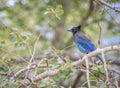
82, 41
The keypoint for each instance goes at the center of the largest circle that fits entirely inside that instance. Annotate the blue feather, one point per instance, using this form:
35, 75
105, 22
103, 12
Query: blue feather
85, 46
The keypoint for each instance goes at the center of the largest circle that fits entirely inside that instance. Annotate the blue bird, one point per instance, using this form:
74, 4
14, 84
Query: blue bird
82, 42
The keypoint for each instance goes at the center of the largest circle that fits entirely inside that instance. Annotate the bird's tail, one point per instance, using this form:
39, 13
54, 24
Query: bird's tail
99, 58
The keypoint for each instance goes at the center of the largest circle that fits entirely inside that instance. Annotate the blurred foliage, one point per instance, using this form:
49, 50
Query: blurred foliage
23, 21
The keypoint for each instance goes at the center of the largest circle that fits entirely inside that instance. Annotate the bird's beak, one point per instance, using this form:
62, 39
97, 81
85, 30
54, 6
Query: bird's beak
69, 30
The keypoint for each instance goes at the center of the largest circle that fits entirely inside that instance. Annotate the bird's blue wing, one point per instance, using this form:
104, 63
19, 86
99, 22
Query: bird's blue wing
79, 45
84, 45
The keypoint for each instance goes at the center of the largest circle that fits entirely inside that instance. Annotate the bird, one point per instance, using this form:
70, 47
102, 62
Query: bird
83, 43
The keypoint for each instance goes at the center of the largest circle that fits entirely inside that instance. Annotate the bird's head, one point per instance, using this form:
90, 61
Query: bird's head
75, 29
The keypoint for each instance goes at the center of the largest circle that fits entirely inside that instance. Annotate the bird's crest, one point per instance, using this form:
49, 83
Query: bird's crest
75, 29
79, 26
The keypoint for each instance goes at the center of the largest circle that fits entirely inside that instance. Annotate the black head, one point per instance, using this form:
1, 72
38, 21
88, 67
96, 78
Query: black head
75, 29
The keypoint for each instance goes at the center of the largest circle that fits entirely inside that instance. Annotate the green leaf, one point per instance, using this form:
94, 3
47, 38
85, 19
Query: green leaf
1, 51
42, 85
95, 68
107, 86
4, 68
93, 78
25, 34
14, 29
24, 37
3, 43
59, 6
12, 38
58, 17
93, 87
68, 62
17, 45
12, 59
2, 26
60, 61
102, 86
112, 0
60, 12
46, 12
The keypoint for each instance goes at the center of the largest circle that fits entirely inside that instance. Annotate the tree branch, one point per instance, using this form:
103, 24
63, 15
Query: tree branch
40, 77
77, 80
28, 68
107, 4
48, 73
98, 51
87, 73
105, 67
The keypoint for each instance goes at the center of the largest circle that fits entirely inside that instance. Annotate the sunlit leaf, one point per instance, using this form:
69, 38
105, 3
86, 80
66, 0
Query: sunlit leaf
59, 6
93, 78
25, 34
46, 12
61, 12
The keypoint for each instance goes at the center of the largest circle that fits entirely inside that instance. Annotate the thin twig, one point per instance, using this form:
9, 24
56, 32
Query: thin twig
87, 73
99, 35
39, 65
105, 67
116, 83
77, 80
86, 83
32, 54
